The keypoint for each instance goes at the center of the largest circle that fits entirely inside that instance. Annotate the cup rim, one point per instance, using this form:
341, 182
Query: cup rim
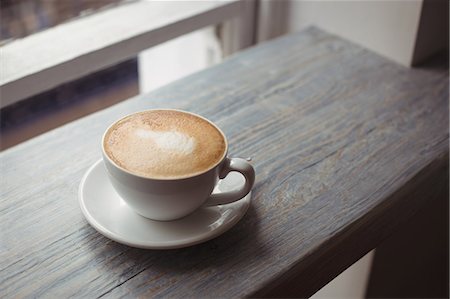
164, 179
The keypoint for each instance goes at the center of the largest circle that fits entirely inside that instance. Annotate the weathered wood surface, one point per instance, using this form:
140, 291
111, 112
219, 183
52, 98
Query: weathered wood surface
339, 136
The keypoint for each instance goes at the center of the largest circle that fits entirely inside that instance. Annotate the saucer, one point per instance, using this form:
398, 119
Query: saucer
106, 211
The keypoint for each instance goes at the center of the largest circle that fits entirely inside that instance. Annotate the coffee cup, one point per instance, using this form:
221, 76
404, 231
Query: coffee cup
165, 163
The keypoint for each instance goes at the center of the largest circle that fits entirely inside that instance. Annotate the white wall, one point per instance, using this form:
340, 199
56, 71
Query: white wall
350, 284
178, 58
388, 27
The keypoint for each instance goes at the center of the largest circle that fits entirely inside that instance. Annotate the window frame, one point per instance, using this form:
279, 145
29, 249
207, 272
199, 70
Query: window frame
86, 45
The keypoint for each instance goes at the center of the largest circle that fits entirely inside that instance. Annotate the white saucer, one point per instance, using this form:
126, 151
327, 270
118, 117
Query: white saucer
105, 210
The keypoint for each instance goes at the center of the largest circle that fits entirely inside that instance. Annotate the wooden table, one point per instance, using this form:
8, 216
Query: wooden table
340, 137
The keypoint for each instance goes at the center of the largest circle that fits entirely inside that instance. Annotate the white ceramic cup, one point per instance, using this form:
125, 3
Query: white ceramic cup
170, 199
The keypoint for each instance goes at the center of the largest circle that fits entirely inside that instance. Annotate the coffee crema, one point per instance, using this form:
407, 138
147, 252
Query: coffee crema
164, 144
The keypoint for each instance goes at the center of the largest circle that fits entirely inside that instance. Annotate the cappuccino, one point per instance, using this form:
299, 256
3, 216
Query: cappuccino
164, 144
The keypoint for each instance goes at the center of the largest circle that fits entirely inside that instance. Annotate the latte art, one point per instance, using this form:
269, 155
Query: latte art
171, 141
164, 144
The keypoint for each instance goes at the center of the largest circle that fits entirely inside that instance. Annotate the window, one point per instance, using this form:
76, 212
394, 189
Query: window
119, 32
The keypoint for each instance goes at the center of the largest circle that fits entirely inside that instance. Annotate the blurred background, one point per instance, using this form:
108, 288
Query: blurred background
64, 59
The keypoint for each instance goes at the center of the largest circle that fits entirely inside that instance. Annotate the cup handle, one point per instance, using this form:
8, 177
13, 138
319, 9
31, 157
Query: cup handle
239, 165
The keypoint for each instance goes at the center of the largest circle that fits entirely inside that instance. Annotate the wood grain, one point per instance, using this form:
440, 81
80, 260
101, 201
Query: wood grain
339, 136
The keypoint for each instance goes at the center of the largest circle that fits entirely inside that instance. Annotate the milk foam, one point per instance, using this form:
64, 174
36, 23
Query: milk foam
171, 141
164, 144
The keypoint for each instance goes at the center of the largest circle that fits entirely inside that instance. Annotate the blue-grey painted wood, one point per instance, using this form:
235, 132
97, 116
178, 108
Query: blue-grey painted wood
338, 136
